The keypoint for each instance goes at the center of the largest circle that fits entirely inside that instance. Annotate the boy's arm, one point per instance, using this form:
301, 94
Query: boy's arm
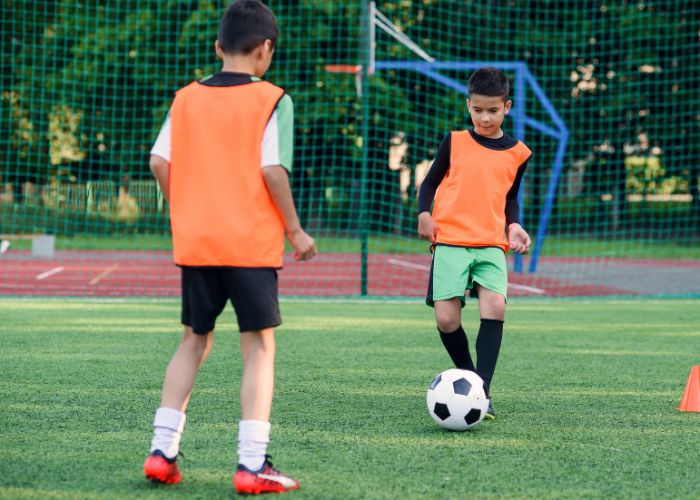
427, 228
161, 171
277, 183
518, 239
160, 158
437, 172
512, 204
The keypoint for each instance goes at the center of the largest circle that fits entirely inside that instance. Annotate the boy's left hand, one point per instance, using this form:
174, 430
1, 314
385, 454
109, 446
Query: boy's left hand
518, 239
303, 244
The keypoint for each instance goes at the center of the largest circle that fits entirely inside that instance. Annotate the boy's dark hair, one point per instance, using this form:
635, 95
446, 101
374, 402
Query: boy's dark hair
490, 82
245, 25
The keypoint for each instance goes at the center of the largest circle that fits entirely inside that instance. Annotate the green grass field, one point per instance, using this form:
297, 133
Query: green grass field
586, 395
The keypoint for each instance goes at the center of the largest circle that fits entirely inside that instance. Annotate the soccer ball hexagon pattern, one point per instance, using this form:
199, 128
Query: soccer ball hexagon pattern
457, 400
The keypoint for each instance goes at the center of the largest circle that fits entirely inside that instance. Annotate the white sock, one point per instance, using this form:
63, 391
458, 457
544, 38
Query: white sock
167, 431
253, 437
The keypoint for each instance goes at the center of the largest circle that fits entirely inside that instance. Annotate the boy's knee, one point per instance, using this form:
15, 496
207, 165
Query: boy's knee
448, 315
447, 323
495, 308
198, 344
498, 305
258, 343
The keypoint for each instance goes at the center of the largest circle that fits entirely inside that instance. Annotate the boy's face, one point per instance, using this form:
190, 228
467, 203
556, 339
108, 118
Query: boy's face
487, 114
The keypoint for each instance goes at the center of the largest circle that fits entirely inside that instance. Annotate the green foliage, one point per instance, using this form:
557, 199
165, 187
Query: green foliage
85, 86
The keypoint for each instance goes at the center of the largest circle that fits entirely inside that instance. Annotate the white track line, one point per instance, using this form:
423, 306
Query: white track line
538, 291
422, 267
410, 265
48, 273
104, 273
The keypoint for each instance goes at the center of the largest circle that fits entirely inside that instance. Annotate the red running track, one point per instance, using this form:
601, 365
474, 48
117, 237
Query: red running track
122, 274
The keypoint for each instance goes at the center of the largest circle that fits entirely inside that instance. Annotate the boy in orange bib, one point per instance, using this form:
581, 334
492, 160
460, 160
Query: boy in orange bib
474, 183
222, 160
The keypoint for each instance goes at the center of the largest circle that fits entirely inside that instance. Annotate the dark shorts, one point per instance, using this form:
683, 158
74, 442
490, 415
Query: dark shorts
252, 292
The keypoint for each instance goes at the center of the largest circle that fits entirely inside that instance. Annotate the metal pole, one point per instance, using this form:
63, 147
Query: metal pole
366, 52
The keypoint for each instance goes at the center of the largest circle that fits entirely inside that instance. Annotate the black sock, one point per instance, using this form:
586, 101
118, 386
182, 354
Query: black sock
488, 345
457, 347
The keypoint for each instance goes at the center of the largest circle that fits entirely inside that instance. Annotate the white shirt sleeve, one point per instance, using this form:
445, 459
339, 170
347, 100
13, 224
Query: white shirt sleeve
162, 145
277, 146
269, 148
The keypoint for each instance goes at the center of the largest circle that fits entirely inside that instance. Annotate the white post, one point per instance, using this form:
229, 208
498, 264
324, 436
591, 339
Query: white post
372, 36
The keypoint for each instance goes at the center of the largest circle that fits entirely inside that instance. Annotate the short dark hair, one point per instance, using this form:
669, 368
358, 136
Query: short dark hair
246, 24
490, 82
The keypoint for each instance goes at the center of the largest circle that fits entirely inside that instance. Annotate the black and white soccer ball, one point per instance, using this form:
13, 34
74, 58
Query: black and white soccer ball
457, 399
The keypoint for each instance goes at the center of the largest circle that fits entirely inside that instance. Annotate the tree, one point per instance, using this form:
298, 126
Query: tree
104, 73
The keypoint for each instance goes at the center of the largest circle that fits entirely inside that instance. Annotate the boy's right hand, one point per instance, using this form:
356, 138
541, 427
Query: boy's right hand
303, 244
427, 227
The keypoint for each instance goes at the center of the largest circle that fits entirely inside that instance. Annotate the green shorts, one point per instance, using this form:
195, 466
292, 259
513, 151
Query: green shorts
457, 269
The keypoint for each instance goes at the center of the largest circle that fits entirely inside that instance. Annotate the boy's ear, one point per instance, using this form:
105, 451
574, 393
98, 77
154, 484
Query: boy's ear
509, 103
219, 51
265, 49
268, 46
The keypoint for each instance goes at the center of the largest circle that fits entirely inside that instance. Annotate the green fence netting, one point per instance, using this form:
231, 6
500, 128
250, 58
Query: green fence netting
605, 94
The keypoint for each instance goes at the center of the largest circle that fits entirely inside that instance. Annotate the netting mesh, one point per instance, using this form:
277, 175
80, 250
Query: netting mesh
86, 86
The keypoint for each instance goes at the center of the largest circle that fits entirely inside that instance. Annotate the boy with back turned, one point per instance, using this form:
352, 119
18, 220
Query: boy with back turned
474, 183
222, 159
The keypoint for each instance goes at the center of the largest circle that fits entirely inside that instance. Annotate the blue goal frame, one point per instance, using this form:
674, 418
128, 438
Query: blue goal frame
523, 79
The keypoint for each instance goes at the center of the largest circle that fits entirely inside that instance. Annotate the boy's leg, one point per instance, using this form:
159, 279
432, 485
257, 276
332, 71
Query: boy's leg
257, 386
492, 307
449, 278
448, 316
255, 473
203, 299
253, 293
183, 368
488, 340
490, 279
169, 421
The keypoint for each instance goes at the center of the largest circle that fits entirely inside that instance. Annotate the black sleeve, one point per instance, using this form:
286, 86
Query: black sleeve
437, 172
512, 205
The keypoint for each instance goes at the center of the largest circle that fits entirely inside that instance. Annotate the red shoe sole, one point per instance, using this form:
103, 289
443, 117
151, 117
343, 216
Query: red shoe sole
260, 491
252, 486
158, 470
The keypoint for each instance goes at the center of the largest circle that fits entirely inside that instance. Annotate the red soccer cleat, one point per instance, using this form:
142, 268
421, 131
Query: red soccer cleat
266, 480
160, 469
